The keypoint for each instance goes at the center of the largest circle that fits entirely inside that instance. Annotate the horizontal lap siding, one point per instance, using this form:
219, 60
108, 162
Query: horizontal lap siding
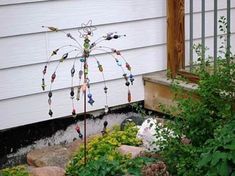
34, 108
23, 53
28, 18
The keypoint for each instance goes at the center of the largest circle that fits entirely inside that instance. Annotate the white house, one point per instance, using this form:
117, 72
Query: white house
24, 47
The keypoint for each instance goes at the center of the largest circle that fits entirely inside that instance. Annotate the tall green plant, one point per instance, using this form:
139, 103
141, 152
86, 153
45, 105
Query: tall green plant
207, 119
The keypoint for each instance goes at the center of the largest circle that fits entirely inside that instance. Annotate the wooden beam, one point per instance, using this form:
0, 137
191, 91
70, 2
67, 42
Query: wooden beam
175, 36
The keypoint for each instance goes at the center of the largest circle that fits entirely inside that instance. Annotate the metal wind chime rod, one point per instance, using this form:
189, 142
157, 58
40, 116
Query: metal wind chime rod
85, 50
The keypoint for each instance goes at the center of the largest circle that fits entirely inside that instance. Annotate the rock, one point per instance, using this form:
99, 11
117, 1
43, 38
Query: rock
134, 151
47, 171
185, 140
49, 156
149, 136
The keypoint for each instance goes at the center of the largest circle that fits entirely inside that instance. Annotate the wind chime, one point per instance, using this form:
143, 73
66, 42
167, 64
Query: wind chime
83, 53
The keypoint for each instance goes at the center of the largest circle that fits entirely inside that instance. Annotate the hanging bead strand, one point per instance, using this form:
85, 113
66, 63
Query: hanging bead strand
100, 67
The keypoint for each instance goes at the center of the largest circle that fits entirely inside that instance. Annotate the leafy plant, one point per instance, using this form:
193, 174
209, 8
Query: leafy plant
16, 171
121, 166
219, 156
102, 152
207, 119
139, 108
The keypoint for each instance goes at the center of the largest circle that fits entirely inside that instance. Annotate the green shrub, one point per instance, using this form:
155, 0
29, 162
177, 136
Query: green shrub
103, 157
208, 121
219, 156
15, 171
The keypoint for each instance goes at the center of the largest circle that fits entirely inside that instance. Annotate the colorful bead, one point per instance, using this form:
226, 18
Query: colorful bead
53, 76
50, 94
104, 131
108, 37
86, 53
72, 92
50, 113
74, 113
105, 89
78, 129
86, 40
129, 96
49, 101
79, 132
54, 52
72, 71
125, 76
78, 93
131, 79
91, 101
89, 95
44, 70
43, 84
85, 69
127, 83
118, 52
86, 45
118, 62
82, 59
92, 45
80, 135
80, 74
105, 123
116, 36
128, 66
53, 29
64, 57
106, 109
100, 68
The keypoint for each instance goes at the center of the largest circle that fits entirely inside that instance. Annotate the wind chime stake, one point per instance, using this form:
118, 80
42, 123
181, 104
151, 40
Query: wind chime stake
86, 32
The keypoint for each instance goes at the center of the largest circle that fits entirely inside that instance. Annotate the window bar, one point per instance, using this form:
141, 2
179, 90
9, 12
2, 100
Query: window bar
191, 34
215, 33
228, 31
203, 33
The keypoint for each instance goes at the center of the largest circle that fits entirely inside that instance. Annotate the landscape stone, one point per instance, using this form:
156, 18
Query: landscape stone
47, 171
134, 151
53, 155
49, 156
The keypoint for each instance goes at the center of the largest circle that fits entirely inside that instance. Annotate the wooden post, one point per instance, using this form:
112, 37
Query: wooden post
175, 36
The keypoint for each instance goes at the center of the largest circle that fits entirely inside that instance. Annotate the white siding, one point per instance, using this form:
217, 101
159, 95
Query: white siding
23, 51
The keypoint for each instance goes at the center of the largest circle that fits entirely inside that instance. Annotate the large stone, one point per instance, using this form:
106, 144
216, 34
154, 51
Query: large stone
132, 150
53, 155
49, 156
47, 171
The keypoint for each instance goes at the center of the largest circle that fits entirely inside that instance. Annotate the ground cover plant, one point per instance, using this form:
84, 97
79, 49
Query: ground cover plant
104, 158
16, 171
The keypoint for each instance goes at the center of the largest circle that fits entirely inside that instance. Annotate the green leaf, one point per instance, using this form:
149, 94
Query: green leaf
230, 146
206, 158
223, 169
218, 156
